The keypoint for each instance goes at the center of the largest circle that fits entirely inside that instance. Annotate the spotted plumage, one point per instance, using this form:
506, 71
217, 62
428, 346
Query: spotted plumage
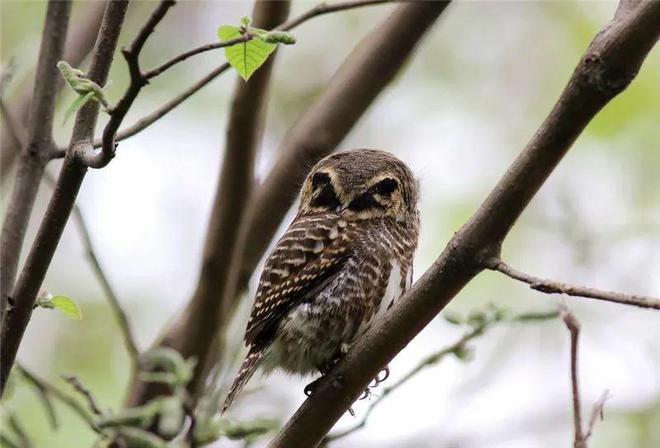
343, 261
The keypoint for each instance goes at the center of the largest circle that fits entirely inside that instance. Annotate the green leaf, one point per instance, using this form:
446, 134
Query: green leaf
79, 102
245, 57
67, 306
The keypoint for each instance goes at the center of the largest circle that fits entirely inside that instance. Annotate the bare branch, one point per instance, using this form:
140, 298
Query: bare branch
207, 311
555, 287
64, 196
597, 412
56, 393
19, 430
608, 66
79, 43
574, 328
16, 133
94, 159
82, 390
35, 154
43, 394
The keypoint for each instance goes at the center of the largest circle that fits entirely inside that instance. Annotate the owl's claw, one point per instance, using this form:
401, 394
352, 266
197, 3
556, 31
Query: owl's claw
382, 376
311, 387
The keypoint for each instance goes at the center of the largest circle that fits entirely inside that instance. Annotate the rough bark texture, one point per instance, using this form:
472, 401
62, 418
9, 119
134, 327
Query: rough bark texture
608, 66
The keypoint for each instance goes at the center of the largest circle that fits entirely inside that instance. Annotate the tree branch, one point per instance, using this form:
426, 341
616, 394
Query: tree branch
35, 154
206, 312
555, 287
99, 159
581, 436
64, 196
82, 390
79, 44
608, 66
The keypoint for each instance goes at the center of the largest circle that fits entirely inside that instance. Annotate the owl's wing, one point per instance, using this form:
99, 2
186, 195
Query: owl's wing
305, 259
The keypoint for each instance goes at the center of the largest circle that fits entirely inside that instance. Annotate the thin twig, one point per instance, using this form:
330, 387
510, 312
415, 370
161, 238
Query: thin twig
19, 430
597, 412
574, 328
182, 57
555, 287
56, 393
44, 396
85, 392
99, 159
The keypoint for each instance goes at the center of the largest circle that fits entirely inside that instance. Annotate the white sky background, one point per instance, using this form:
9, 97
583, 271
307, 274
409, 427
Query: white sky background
473, 95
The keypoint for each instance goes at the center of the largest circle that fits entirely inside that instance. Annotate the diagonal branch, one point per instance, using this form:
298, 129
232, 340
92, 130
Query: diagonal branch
35, 154
59, 208
555, 287
608, 66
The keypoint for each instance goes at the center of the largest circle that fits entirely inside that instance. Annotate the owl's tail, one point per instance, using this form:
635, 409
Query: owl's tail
249, 366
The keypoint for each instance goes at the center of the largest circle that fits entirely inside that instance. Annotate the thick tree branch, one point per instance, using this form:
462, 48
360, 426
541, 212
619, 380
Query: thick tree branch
608, 66
35, 154
206, 312
99, 159
64, 196
555, 287
79, 44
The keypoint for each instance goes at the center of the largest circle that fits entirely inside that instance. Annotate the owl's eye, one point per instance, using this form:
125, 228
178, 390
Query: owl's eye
320, 179
326, 196
386, 186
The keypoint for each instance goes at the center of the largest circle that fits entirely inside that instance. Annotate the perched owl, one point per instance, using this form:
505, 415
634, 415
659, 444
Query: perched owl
343, 261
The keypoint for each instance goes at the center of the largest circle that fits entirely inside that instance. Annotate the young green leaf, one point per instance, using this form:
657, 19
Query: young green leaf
87, 89
245, 57
67, 306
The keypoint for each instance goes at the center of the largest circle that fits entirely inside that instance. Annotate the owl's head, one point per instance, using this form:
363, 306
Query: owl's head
360, 184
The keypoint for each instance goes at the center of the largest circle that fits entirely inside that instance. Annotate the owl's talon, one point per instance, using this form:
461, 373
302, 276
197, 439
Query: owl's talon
311, 387
386, 374
365, 394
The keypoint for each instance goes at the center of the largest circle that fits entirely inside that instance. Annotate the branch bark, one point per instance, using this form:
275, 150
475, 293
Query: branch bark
79, 44
34, 156
608, 66
60, 206
206, 312
555, 287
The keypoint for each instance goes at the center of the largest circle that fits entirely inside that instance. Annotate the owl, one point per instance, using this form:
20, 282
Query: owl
343, 261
